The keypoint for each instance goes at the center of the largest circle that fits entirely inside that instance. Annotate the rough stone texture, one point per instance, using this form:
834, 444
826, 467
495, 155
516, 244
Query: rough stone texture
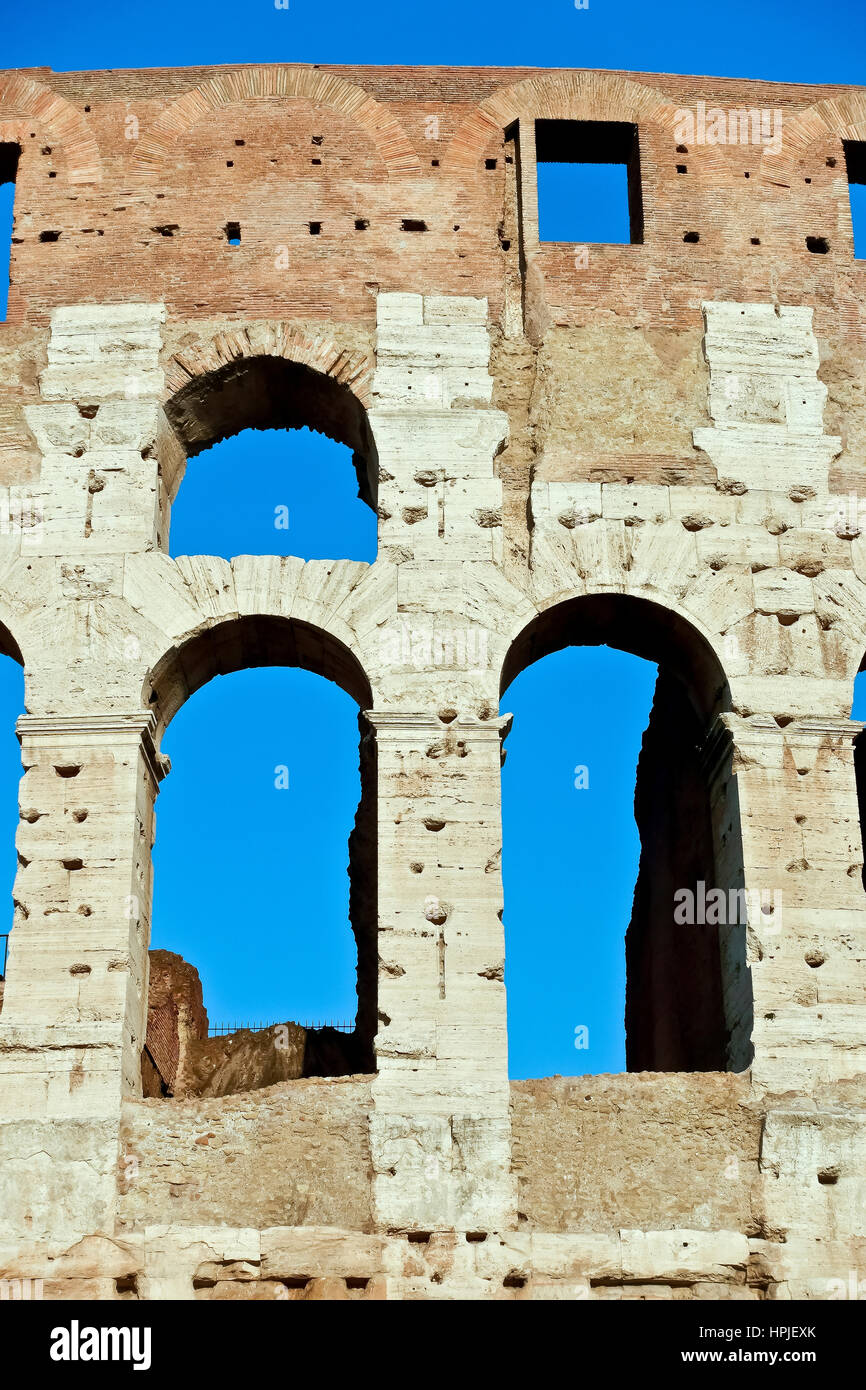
180, 1059
296, 1153
653, 446
176, 1021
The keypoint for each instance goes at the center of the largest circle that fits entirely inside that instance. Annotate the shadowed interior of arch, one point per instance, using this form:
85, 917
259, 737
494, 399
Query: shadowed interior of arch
632, 801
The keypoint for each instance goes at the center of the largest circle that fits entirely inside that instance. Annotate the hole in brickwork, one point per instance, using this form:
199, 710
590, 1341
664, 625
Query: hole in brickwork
818, 245
682, 149
831, 163
67, 769
589, 184
233, 233
755, 241
361, 224
315, 161
692, 237
49, 236
166, 228
315, 228
434, 163
855, 167
413, 224
682, 169
490, 163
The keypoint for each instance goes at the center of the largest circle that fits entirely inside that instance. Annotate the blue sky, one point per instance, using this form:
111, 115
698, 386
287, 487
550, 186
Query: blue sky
783, 40
256, 895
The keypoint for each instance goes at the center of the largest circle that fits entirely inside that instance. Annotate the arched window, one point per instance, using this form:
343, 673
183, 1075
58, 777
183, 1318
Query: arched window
622, 863
282, 462
265, 879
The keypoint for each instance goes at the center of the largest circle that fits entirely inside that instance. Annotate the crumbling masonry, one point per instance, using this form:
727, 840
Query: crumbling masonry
656, 445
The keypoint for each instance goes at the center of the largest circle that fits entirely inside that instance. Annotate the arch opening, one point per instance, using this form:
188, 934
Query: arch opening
681, 940
268, 392
269, 805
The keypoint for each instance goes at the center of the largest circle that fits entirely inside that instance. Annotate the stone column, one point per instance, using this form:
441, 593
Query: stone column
802, 852
75, 1008
440, 1128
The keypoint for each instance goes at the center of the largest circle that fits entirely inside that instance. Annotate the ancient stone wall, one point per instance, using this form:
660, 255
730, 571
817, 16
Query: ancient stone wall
651, 445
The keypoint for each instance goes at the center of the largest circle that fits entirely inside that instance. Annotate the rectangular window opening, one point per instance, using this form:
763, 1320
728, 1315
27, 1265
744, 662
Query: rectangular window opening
589, 188
855, 163
9, 155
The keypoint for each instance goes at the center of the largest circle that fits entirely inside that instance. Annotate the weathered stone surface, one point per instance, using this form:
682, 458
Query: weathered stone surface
656, 446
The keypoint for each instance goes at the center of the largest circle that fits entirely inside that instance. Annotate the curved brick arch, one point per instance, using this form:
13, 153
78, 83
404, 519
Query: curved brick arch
270, 339
23, 96
843, 116
333, 391
559, 95
244, 84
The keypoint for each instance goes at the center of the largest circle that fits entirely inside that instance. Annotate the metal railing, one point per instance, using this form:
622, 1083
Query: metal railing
220, 1030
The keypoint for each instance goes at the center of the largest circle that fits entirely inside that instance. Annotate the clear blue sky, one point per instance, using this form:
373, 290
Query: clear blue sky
785, 40
257, 896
